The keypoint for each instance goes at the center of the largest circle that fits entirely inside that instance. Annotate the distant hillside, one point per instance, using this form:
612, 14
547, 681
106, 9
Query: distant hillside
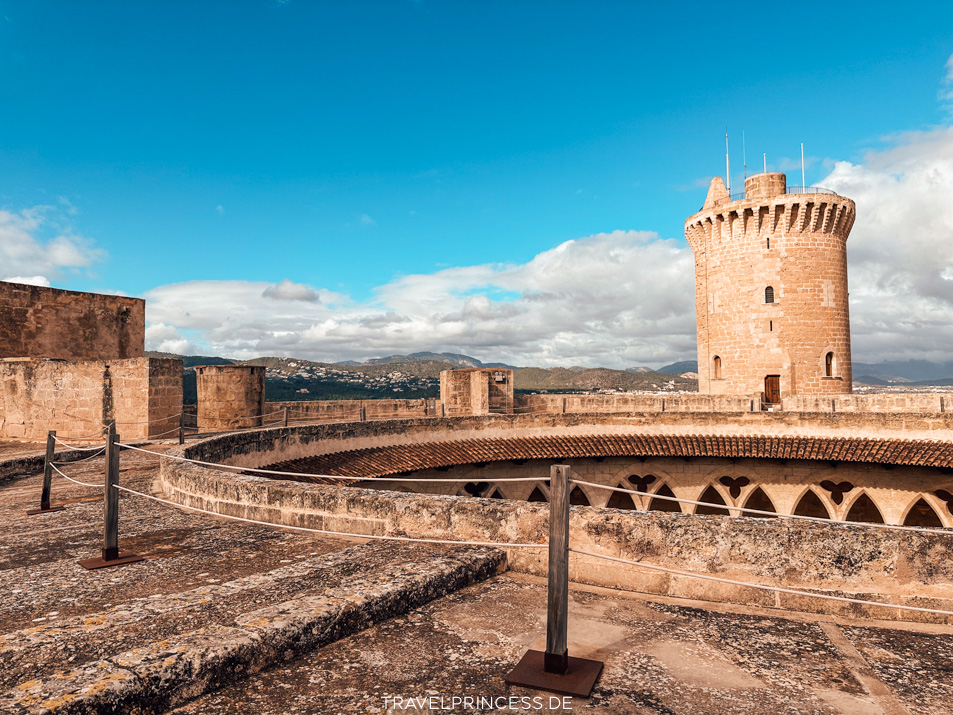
455, 359
677, 368
555, 379
917, 371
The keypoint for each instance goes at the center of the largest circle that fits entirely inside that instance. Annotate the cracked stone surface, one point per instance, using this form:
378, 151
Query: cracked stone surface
210, 590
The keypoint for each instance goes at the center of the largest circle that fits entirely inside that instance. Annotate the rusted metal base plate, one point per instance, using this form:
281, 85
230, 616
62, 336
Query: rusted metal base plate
34, 512
100, 563
577, 682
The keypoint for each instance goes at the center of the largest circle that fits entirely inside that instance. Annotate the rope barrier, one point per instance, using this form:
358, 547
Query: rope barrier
321, 476
94, 435
75, 481
84, 459
72, 446
763, 587
338, 533
820, 520
150, 422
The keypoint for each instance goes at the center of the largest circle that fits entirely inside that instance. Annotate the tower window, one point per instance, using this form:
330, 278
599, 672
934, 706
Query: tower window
769, 244
771, 325
769, 295
716, 367
829, 365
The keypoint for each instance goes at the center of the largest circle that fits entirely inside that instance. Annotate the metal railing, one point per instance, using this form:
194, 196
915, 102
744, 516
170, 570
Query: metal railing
788, 190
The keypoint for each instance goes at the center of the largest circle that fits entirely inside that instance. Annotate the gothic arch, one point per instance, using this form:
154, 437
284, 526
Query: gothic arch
621, 500
810, 503
664, 504
578, 497
537, 494
864, 509
922, 513
758, 499
712, 495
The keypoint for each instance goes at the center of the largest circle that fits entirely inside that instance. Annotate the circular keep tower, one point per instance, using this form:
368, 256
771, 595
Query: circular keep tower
771, 290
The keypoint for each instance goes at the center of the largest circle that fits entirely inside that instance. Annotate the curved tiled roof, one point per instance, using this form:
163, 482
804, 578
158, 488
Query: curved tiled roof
383, 461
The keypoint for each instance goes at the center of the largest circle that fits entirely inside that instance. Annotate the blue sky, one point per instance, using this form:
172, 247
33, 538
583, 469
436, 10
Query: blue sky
399, 174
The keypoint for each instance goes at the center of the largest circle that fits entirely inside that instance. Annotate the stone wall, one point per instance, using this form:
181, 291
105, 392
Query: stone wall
42, 322
900, 568
80, 398
623, 404
230, 396
881, 402
356, 410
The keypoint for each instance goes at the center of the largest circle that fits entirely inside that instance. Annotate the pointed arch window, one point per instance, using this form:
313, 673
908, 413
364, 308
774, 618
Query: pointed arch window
665, 504
922, 514
829, 365
811, 505
769, 294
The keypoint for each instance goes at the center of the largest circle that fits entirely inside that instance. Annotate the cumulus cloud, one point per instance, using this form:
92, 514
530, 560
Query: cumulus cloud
615, 299
366, 220
29, 280
286, 290
900, 252
34, 243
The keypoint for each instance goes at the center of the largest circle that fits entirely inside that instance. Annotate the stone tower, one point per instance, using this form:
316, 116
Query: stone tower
771, 290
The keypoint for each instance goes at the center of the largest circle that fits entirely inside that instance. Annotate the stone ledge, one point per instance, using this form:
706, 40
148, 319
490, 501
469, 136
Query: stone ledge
167, 673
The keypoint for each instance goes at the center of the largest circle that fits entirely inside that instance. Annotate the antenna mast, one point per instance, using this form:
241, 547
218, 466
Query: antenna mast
803, 182
744, 154
727, 165
765, 157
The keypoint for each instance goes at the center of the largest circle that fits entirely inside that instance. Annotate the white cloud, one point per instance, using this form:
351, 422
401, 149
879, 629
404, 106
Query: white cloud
616, 299
29, 280
286, 290
900, 252
220, 210
34, 243
366, 220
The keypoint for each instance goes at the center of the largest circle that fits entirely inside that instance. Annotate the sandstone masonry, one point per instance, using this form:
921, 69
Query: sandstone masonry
771, 290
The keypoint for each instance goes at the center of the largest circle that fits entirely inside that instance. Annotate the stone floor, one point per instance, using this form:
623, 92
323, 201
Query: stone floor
661, 655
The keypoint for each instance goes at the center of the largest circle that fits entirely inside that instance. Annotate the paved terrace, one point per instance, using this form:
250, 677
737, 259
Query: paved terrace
404, 620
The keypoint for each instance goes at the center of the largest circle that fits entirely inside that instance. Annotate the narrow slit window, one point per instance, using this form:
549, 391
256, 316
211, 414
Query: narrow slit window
829, 365
716, 367
769, 244
771, 325
769, 294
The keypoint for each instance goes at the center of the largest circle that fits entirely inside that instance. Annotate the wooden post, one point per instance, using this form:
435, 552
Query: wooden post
111, 497
110, 552
182, 426
47, 477
557, 613
555, 670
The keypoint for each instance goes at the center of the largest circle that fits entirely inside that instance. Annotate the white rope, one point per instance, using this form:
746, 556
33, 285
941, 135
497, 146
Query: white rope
820, 520
763, 587
326, 476
76, 461
149, 422
75, 481
94, 435
73, 446
337, 533
162, 434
